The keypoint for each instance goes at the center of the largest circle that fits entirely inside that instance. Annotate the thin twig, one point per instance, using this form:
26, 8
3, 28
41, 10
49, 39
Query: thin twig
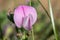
44, 8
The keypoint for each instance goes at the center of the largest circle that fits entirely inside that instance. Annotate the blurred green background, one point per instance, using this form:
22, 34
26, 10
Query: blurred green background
42, 28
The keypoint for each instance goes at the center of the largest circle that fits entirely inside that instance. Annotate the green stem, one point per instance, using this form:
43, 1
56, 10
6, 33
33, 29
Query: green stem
32, 27
30, 2
52, 20
44, 8
32, 34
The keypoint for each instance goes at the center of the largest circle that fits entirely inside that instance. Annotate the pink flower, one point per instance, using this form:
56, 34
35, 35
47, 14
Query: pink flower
25, 16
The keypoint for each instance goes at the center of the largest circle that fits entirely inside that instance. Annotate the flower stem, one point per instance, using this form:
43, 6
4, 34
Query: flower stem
52, 19
30, 3
32, 27
32, 34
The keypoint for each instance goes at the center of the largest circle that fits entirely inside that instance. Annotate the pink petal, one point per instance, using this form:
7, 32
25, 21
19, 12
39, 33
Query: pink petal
18, 16
27, 23
30, 11
25, 16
